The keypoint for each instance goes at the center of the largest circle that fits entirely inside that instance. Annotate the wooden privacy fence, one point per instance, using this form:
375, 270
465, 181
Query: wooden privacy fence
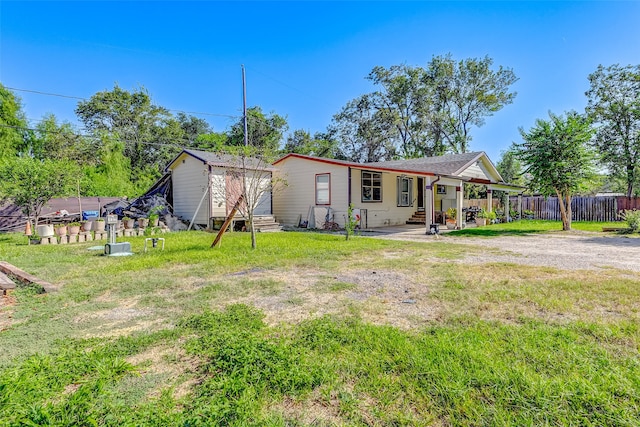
582, 208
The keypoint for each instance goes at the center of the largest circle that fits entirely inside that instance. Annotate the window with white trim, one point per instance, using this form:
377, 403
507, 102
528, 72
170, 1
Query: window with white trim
405, 191
323, 189
371, 186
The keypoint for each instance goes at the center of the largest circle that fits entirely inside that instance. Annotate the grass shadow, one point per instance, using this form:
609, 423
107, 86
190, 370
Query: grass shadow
495, 232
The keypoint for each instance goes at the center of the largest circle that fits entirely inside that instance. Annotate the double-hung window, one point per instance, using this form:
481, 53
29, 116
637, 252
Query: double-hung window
371, 186
405, 191
323, 189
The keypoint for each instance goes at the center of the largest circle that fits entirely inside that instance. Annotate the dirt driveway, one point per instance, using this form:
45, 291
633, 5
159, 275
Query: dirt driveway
573, 250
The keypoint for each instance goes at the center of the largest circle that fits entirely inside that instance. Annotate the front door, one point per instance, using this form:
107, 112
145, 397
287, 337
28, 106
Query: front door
420, 194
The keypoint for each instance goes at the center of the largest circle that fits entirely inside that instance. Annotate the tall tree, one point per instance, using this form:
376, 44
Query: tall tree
363, 134
404, 101
192, 128
319, 145
466, 93
58, 141
557, 155
614, 104
149, 132
426, 111
14, 134
264, 130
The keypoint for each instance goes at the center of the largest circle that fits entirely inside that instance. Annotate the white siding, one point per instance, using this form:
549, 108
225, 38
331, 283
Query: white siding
292, 201
387, 212
190, 177
218, 192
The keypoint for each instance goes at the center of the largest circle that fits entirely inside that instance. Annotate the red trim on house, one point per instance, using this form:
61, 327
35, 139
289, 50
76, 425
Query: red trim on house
362, 166
316, 189
480, 181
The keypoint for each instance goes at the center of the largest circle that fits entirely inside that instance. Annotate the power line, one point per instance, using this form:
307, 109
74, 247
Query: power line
37, 92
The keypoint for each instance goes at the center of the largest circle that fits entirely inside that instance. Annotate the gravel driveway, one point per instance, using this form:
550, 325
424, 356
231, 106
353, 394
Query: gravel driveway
573, 250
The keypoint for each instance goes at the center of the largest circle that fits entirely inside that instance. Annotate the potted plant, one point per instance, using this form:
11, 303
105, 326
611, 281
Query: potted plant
154, 218
128, 222
98, 225
74, 228
482, 217
86, 225
143, 222
451, 214
61, 229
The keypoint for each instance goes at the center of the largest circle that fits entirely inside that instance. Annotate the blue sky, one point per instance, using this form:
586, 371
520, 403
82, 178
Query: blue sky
305, 60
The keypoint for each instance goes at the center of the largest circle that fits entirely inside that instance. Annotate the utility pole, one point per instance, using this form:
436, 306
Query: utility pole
244, 107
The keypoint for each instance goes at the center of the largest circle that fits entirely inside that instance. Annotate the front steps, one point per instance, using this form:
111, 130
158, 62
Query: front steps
418, 218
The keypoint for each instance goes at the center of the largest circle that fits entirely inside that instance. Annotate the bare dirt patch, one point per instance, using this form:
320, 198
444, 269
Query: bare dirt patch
574, 250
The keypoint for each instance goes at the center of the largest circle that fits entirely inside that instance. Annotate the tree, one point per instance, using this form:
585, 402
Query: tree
319, 145
363, 135
424, 111
149, 132
59, 142
404, 102
614, 104
264, 130
248, 174
557, 155
510, 170
465, 93
192, 128
13, 124
30, 183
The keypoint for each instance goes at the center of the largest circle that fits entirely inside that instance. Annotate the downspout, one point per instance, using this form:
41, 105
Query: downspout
210, 190
349, 187
433, 199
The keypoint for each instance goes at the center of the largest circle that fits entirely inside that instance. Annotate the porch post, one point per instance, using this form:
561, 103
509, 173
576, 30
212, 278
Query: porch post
507, 209
520, 206
489, 200
459, 197
428, 203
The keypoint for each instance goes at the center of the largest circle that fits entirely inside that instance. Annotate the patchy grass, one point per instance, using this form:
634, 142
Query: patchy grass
311, 329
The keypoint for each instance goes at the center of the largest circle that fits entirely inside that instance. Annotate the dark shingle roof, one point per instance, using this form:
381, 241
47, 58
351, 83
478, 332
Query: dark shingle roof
225, 160
449, 164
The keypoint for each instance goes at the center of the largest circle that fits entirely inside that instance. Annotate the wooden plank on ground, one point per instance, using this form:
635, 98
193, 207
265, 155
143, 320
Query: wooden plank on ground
5, 284
25, 277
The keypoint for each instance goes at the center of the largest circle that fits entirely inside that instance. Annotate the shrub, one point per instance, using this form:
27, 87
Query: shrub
632, 218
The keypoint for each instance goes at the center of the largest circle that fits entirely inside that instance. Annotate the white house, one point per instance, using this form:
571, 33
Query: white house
206, 185
385, 193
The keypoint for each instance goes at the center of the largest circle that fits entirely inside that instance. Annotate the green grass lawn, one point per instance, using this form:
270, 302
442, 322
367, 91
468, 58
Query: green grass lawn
310, 329
533, 226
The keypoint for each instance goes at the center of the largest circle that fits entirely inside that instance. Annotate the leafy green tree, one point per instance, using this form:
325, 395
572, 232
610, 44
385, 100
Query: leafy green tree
319, 145
192, 128
557, 155
404, 102
14, 134
264, 130
60, 142
112, 175
424, 111
149, 132
364, 135
30, 183
466, 93
614, 105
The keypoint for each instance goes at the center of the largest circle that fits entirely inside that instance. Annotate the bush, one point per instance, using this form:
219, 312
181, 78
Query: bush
632, 218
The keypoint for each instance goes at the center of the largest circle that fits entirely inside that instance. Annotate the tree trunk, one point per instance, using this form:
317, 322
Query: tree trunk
254, 243
566, 225
566, 220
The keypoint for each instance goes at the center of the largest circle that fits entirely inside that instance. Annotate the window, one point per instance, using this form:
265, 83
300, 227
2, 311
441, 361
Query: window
405, 191
323, 189
371, 186
441, 189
